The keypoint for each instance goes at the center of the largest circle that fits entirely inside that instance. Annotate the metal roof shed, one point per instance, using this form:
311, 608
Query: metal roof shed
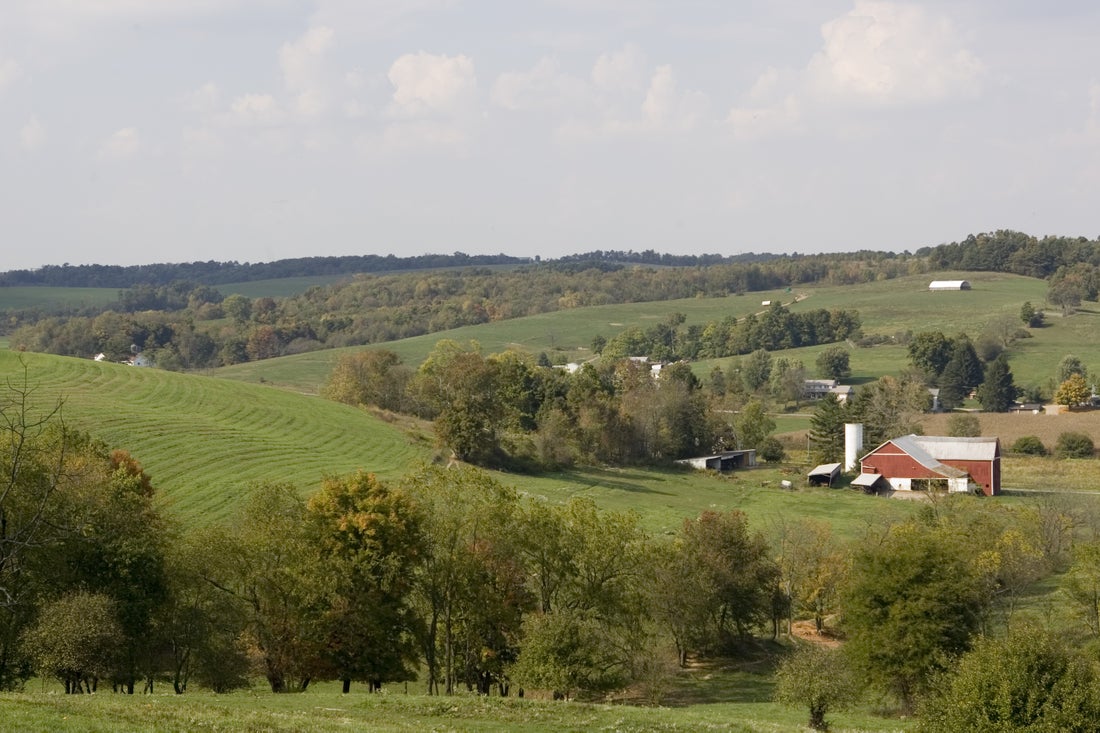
824, 475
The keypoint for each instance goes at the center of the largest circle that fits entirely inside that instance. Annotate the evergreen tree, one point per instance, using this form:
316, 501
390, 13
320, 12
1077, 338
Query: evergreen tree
962, 373
998, 390
827, 430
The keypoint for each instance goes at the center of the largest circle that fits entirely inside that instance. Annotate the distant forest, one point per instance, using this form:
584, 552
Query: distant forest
222, 273
1000, 251
182, 319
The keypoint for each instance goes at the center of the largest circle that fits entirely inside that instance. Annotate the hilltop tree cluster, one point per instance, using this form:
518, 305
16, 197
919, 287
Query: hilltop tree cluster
507, 409
774, 330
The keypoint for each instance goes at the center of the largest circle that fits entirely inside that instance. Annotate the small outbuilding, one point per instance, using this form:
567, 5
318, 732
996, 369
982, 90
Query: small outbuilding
722, 462
824, 475
937, 285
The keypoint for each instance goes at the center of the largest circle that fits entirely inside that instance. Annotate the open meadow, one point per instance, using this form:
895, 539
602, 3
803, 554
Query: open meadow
709, 699
204, 441
886, 307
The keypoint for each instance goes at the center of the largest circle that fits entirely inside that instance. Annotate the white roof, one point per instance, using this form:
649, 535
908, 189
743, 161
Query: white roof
957, 449
866, 479
948, 284
825, 469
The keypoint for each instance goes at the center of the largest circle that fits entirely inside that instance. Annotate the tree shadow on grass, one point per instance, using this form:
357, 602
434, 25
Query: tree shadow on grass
741, 679
620, 481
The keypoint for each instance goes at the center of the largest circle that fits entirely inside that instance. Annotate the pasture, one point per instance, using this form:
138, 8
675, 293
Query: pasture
20, 297
742, 707
886, 307
205, 441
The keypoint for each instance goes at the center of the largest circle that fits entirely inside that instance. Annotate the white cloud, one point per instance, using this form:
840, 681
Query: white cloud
425, 83
9, 73
755, 122
255, 109
666, 108
1094, 108
122, 144
32, 135
543, 87
204, 100
620, 71
893, 53
302, 63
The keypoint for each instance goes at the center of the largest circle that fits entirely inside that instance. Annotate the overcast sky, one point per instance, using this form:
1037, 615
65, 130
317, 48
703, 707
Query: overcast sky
136, 131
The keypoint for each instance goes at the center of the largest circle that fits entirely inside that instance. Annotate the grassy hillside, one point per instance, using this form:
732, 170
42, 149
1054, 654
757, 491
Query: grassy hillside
886, 307
205, 440
564, 335
37, 297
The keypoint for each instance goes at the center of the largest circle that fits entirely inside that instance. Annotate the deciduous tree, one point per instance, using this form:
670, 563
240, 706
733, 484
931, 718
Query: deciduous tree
1029, 681
816, 678
914, 598
1073, 392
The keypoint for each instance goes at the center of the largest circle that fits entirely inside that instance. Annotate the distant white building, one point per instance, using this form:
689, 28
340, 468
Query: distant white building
815, 389
949, 285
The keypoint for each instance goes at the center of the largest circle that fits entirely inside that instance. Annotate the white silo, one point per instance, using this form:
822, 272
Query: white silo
853, 445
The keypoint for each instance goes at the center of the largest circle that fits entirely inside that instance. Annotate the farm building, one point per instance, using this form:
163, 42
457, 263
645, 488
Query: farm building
815, 389
949, 285
915, 461
824, 475
722, 462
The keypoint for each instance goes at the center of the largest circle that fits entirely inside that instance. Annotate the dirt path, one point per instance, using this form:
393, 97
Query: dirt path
807, 631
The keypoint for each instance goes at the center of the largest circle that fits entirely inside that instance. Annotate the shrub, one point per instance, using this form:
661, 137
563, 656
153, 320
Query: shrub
771, 450
1029, 445
1074, 445
963, 426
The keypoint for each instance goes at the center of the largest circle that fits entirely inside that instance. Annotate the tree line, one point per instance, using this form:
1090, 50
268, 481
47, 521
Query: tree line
189, 324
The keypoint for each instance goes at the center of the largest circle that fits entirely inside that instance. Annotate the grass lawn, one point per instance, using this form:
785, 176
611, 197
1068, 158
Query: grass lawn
709, 699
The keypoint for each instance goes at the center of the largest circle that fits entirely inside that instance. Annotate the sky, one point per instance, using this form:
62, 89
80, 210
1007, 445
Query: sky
139, 131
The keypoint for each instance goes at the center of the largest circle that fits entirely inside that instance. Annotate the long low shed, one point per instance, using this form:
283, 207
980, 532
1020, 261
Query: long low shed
949, 285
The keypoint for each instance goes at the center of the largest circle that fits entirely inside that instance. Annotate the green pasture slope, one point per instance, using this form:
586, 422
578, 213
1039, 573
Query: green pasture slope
886, 307
205, 441
564, 335
16, 298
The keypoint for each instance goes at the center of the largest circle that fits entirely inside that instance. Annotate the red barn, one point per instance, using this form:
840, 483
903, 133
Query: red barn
913, 462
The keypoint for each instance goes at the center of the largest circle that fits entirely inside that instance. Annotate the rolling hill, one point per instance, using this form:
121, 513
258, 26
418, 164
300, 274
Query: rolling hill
886, 307
205, 440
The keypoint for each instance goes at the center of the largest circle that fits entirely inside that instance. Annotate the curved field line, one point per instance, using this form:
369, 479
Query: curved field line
204, 440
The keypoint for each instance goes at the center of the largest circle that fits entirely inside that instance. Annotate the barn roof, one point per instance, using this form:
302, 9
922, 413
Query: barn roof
909, 445
949, 285
957, 449
866, 479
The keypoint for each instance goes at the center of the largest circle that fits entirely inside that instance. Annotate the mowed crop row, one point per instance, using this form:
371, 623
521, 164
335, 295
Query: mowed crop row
204, 441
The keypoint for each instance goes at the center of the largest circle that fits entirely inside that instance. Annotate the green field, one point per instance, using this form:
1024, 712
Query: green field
15, 298
886, 307
205, 440
742, 708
